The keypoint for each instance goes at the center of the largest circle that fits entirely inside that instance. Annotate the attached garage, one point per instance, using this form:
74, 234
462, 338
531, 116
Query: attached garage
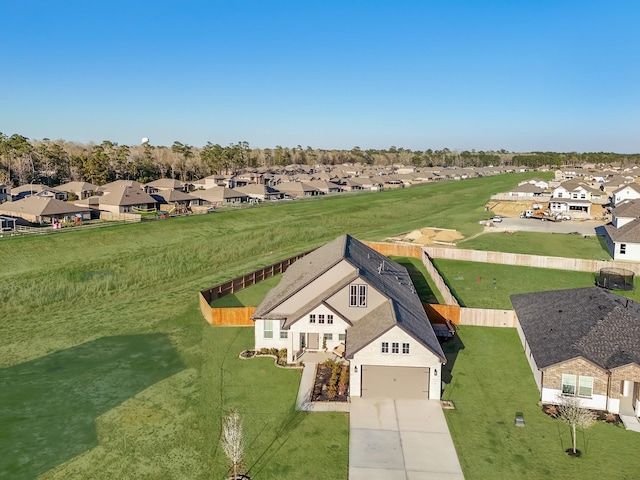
395, 382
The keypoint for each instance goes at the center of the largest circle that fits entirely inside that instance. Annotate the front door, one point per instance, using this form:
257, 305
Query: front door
314, 341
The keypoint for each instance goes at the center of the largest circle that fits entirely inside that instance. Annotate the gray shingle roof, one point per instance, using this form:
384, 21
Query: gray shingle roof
403, 309
629, 232
592, 323
627, 208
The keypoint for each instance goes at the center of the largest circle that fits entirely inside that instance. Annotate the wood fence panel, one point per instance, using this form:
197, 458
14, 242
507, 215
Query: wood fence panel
205, 308
232, 317
440, 313
396, 249
537, 261
485, 317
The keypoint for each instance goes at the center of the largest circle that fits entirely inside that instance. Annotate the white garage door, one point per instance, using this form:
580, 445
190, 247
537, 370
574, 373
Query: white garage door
395, 382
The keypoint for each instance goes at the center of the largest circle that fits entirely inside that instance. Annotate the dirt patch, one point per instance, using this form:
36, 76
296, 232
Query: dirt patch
429, 236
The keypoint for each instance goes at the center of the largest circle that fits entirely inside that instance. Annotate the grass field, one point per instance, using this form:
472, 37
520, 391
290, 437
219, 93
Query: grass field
472, 283
535, 243
249, 297
490, 382
104, 324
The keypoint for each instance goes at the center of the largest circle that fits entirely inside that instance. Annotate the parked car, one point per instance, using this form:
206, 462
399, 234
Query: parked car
496, 219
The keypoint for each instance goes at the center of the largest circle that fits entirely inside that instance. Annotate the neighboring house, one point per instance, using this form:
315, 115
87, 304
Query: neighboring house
350, 185
164, 184
7, 224
347, 293
583, 342
175, 198
121, 198
43, 210
260, 192
630, 191
623, 233
82, 190
325, 186
573, 197
221, 196
526, 191
297, 189
29, 189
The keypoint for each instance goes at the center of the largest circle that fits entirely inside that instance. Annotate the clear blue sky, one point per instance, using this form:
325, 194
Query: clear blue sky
520, 75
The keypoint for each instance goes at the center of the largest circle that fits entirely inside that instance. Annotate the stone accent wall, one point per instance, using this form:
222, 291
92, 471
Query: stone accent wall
618, 375
552, 377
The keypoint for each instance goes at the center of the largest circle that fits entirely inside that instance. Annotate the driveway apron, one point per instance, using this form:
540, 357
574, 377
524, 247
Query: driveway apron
403, 439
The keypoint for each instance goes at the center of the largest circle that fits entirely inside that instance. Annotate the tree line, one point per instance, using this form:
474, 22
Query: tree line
53, 162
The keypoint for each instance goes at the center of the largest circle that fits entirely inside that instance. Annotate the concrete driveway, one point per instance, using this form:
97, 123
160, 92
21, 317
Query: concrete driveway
400, 439
583, 227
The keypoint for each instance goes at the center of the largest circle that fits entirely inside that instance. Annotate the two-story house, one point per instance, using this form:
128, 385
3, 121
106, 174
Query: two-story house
347, 293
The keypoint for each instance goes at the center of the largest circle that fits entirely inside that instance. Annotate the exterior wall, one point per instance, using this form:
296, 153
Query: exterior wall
338, 327
340, 301
418, 356
625, 194
629, 372
275, 342
621, 221
632, 251
337, 274
552, 382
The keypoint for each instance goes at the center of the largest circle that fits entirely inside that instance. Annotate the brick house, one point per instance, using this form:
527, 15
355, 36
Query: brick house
583, 342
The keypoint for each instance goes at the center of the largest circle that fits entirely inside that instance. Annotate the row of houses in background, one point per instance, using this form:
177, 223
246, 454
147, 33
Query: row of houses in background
41, 204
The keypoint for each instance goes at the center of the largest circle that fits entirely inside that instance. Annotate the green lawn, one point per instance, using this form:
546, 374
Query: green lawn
249, 297
425, 286
535, 243
103, 324
490, 382
472, 283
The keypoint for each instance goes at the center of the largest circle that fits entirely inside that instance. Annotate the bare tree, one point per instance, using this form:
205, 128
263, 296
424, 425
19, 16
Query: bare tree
233, 440
571, 411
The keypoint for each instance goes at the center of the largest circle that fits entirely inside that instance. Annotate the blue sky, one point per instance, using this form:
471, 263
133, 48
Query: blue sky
520, 75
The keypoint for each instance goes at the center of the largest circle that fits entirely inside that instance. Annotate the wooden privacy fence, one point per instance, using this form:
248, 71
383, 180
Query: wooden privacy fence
239, 316
537, 261
482, 317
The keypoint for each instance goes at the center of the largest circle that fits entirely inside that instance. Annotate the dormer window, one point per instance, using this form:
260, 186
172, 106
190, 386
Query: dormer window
357, 295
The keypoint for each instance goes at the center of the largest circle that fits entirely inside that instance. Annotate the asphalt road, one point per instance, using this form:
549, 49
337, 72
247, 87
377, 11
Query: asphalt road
583, 227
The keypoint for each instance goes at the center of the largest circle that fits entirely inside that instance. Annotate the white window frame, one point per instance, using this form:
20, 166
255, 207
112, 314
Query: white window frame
569, 381
321, 318
405, 349
284, 334
395, 347
385, 347
342, 337
358, 295
623, 249
268, 329
329, 319
312, 318
328, 337
585, 383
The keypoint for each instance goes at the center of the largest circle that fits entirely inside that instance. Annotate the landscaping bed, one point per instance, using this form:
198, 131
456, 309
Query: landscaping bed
331, 382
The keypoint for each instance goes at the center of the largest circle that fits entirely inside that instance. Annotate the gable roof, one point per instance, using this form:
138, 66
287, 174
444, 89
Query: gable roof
123, 195
41, 206
403, 308
627, 208
629, 232
77, 187
591, 323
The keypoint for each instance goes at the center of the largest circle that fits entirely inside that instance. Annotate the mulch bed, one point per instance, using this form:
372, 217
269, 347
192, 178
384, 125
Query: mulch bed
321, 385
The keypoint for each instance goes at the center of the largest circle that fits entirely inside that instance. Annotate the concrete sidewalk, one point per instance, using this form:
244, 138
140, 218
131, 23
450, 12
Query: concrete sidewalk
404, 439
303, 401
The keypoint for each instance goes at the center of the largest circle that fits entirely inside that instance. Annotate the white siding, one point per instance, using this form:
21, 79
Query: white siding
303, 326
418, 356
337, 274
632, 252
340, 302
275, 342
